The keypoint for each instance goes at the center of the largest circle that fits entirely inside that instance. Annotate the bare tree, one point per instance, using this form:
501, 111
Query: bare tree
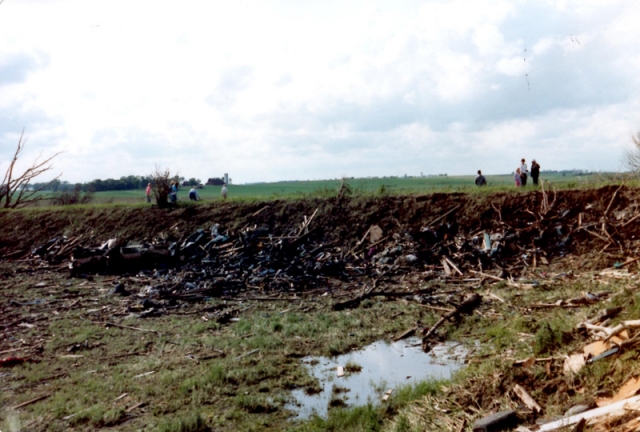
632, 157
161, 182
14, 189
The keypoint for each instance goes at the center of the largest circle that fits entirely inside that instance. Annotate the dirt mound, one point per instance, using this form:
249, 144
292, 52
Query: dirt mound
576, 212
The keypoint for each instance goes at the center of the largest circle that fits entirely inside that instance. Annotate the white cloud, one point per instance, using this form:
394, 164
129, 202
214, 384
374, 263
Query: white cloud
269, 91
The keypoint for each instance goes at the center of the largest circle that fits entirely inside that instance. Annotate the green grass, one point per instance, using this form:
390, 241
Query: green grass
190, 393
359, 187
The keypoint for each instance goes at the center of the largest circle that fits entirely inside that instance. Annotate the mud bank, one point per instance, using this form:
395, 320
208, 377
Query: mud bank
345, 220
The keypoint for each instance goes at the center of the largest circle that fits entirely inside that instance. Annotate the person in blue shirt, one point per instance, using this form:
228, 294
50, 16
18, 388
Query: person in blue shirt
173, 196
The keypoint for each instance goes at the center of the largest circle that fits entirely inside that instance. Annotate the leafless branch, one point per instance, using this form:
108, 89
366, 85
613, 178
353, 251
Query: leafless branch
14, 190
632, 157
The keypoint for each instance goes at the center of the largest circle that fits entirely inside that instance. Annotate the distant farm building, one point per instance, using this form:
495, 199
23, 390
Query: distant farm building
215, 181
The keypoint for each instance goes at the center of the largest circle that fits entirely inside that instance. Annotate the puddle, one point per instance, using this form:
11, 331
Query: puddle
384, 366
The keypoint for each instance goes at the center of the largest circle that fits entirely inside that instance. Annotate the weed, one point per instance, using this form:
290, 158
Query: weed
550, 337
362, 418
501, 335
255, 404
352, 367
190, 423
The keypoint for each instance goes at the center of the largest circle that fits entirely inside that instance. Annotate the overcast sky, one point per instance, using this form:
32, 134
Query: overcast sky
277, 90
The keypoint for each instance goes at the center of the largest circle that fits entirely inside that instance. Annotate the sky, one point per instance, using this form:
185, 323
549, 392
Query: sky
303, 90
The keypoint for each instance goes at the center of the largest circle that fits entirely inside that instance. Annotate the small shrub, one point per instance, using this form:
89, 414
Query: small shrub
72, 197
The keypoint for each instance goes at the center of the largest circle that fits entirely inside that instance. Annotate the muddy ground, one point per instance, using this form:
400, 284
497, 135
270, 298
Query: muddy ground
89, 359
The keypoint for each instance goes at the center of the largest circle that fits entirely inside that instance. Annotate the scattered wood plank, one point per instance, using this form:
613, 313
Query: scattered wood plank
110, 324
492, 295
15, 349
354, 302
260, 211
439, 218
453, 266
527, 399
469, 303
438, 308
255, 351
32, 401
595, 415
144, 374
630, 388
70, 416
445, 266
610, 332
387, 395
136, 406
405, 334
487, 275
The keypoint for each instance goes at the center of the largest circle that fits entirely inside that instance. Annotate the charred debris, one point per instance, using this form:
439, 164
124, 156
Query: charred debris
440, 263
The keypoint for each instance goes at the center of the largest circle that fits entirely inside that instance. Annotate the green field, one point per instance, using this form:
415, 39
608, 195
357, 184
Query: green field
361, 186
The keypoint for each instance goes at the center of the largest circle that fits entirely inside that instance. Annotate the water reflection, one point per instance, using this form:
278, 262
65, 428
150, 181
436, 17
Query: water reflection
384, 366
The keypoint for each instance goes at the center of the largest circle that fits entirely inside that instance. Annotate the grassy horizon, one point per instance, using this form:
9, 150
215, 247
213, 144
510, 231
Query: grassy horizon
365, 187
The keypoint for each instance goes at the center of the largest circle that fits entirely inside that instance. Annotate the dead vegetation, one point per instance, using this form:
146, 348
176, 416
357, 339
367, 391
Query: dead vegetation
15, 191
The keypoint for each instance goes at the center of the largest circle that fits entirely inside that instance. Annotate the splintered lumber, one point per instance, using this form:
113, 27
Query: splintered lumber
387, 395
138, 405
487, 275
596, 415
248, 354
444, 215
527, 399
453, 266
611, 332
354, 302
470, 302
29, 402
405, 334
447, 270
110, 324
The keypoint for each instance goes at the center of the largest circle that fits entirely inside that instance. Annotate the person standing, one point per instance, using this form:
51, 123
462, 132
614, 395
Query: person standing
480, 180
148, 193
224, 192
523, 173
517, 177
174, 192
535, 171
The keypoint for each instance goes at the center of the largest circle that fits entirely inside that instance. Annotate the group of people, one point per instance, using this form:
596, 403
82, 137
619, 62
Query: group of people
520, 176
193, 192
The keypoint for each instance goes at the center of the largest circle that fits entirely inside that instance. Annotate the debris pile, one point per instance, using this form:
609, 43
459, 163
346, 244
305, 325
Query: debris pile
303, 255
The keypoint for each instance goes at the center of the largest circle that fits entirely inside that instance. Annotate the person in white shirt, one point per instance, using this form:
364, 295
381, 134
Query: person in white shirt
224, 192
523, 173
193, 194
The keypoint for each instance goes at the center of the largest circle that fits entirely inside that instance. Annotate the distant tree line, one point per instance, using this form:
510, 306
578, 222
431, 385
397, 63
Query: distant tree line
123, 183
574, 172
